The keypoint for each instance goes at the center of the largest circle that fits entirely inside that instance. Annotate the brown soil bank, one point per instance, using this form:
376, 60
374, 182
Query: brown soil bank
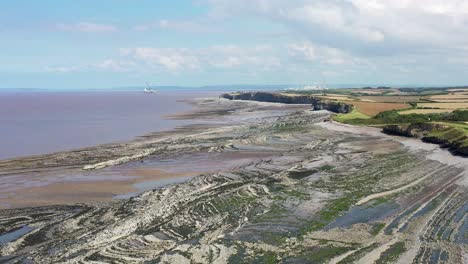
447, 137
317, 103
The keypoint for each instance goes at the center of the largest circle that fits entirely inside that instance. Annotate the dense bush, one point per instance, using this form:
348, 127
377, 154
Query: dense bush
458, 115
392, 117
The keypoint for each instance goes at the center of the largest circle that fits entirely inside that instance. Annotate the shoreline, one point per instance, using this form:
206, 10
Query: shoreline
433, 151
305, 191
58, 122
69, 177
419, 131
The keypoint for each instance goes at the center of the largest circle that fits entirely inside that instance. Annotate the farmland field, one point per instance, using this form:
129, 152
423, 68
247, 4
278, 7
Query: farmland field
458, 90
377, 92
337, 97
392, 99
450, 98
425, 111
372, 109
450, 101
450, 105
457, 96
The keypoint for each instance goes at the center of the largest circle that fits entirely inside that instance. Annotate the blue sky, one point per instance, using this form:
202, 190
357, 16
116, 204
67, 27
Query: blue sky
65, 44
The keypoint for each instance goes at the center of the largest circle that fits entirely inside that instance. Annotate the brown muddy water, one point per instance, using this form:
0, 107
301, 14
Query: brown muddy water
39, 123
46, 122
113, 183
107, 117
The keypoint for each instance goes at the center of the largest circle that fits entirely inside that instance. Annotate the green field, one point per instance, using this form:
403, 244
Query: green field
350, 117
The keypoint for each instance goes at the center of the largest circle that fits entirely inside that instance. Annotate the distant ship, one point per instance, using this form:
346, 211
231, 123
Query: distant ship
148, 89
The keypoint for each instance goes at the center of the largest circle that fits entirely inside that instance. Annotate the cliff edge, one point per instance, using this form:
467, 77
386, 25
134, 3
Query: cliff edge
316, 102
446, 136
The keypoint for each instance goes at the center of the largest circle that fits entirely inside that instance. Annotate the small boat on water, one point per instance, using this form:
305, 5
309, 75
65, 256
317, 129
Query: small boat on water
148, 89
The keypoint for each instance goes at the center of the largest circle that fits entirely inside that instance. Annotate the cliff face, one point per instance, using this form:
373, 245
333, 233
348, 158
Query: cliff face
447, 137
336, 107
269, 97
418, 130
317, 103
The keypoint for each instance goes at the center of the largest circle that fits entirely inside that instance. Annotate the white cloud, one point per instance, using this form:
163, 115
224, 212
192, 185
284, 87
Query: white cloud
308, 52
87, 27
220, 56
108, 65
304, 50
114, 65
186, 26
62, 69
363, 26
231, 56
169, 58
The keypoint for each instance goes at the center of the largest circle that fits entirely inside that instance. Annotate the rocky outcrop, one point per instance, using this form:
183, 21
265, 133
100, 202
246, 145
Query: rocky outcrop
333, 106
447, 137
270, 97
307, 195
418, 130
316, 102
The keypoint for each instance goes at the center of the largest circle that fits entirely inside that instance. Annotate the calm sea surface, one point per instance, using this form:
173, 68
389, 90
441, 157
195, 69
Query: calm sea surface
38, 123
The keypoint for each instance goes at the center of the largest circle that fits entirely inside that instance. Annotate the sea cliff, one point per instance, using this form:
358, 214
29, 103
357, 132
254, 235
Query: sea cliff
447, 137
316, 102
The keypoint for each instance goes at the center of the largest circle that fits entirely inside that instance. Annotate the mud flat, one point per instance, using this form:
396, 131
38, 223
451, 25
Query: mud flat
103, 172
308, 193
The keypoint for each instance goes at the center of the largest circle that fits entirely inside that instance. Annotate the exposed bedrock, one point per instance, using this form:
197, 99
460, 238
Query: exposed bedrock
316, 102
321, 196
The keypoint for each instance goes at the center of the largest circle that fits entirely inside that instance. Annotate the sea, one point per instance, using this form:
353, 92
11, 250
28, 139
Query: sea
33, 123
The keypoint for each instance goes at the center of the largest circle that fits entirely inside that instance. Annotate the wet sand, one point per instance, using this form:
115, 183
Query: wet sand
65, 185
70, 186
117, 182
296, 193
92, 191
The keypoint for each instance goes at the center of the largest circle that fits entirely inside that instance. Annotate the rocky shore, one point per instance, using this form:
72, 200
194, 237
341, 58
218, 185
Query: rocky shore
444, 136
316, 196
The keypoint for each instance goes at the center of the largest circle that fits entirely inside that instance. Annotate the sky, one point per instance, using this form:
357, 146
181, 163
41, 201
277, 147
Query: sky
64, 44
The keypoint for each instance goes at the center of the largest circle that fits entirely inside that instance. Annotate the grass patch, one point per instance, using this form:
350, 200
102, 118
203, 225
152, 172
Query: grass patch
297, 175
358, 254
335, 207
451, 135
376, 228
350, 117
455, 118
311, 226
322, 254
276, 212
297, 194
268, 257
392, 254
332, 210
380, 200
326, 168
460, 125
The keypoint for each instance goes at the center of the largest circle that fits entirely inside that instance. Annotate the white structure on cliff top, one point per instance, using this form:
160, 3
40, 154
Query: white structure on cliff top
313, 87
